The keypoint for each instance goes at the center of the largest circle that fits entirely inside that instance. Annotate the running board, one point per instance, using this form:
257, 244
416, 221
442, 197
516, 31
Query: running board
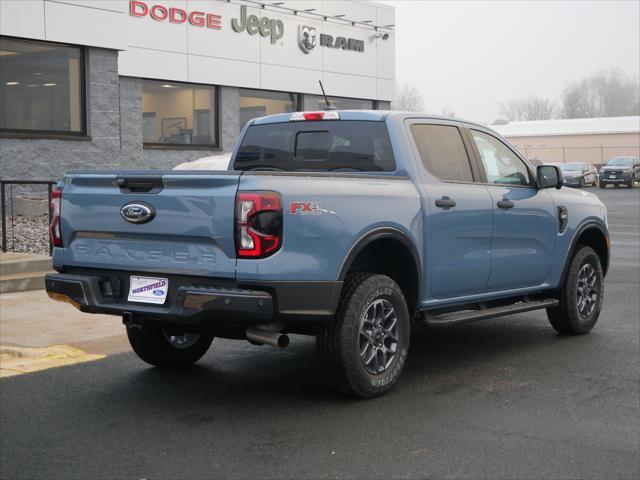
464, 316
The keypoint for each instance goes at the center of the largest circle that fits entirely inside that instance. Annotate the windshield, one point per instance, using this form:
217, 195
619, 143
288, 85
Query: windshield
316, 146
573, 167
620, 162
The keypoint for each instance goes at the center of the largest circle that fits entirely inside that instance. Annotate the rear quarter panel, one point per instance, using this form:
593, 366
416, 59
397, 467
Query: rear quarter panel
315, 244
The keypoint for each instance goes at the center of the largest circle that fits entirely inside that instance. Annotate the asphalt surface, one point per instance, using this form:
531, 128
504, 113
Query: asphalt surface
504, 398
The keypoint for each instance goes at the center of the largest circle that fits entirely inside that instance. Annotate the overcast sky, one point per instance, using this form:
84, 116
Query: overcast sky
469, 56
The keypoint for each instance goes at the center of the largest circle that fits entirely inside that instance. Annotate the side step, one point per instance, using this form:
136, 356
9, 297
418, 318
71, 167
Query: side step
464, 316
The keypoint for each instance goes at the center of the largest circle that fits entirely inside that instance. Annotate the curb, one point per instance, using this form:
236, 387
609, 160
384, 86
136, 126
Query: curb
16, 360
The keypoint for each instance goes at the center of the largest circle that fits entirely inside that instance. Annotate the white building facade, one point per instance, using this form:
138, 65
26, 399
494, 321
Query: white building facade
136, 83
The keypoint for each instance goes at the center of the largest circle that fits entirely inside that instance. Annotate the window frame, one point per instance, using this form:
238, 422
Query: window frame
186, 146
334, 97
298, 104
83, 133
475, 172
478, 159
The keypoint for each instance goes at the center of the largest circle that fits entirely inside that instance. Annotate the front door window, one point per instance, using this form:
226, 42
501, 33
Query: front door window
501, 165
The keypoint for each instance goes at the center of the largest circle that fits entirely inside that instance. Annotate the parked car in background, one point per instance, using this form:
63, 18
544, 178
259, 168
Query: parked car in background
579, 174
213, 162
620, 171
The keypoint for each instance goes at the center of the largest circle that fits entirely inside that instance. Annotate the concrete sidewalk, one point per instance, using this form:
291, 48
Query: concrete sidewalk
33, 320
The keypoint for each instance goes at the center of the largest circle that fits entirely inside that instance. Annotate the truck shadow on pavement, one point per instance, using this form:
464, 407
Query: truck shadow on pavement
487, 355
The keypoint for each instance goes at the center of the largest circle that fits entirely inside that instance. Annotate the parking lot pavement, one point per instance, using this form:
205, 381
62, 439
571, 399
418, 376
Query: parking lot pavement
504, 398
37, 333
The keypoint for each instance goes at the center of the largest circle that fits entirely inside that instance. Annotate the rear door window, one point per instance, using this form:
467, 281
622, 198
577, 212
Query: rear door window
326, 145
442, 151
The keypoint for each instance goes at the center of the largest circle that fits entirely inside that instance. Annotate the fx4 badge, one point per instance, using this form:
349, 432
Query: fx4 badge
305, 208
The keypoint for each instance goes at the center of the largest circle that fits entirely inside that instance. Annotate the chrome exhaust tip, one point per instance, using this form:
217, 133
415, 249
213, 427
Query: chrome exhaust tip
265, 337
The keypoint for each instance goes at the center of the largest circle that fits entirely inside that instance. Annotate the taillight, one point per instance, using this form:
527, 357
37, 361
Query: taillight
258, 224
54, 226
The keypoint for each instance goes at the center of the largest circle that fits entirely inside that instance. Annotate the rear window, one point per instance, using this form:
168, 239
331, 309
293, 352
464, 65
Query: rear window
316, 146
442, 152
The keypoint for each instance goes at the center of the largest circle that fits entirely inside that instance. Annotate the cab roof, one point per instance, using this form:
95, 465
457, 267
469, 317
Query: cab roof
362, 115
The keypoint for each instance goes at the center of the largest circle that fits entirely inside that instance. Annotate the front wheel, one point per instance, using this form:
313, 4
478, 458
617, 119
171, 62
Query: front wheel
602, 184
167, 347
581, 295
364, 348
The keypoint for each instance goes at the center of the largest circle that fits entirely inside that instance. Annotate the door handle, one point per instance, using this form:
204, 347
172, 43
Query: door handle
445, 202
506, 204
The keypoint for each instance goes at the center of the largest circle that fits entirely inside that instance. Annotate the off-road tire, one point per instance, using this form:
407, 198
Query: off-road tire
151, 345
338, 346
565, 318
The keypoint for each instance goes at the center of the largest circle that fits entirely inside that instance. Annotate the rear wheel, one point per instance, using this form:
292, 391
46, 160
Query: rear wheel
363, 350
167, 347
581, 296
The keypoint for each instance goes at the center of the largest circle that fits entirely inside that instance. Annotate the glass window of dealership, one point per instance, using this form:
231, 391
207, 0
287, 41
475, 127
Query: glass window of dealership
43, 94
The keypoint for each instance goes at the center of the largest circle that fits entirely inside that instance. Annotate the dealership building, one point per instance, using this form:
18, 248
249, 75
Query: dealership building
105, 84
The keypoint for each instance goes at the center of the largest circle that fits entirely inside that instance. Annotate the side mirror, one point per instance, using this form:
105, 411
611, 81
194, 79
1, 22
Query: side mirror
549, 176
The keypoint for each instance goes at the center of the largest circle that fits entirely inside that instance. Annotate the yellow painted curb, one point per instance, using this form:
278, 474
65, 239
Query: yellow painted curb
15, 360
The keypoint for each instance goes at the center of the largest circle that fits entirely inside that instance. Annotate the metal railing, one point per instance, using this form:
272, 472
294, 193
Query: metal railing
3, 204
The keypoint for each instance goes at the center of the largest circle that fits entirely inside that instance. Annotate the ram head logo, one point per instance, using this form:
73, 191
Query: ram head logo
307, 38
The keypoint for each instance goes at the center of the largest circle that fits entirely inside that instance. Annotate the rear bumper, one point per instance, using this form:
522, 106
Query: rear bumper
200, 301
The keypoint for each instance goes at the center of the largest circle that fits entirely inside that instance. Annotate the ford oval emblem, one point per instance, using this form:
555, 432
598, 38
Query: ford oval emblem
137, 212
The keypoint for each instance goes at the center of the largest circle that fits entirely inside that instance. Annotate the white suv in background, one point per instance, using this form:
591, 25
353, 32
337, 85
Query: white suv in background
214, 162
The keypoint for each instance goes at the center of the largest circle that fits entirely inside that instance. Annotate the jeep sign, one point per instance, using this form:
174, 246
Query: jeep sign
252, 24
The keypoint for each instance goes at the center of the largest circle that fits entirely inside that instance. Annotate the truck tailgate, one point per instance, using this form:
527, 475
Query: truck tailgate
192, 231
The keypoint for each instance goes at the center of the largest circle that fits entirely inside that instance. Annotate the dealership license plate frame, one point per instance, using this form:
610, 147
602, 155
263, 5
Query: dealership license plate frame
149, 292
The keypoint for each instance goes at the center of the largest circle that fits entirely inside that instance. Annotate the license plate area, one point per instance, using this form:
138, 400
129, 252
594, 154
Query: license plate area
148, 289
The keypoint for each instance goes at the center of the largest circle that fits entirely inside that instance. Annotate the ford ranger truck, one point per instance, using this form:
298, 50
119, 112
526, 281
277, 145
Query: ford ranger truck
347, 225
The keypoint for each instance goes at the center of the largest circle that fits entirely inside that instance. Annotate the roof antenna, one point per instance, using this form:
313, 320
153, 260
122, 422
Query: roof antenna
326, 99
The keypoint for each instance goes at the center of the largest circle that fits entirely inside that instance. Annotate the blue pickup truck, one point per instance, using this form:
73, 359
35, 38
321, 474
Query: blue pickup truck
347, 225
